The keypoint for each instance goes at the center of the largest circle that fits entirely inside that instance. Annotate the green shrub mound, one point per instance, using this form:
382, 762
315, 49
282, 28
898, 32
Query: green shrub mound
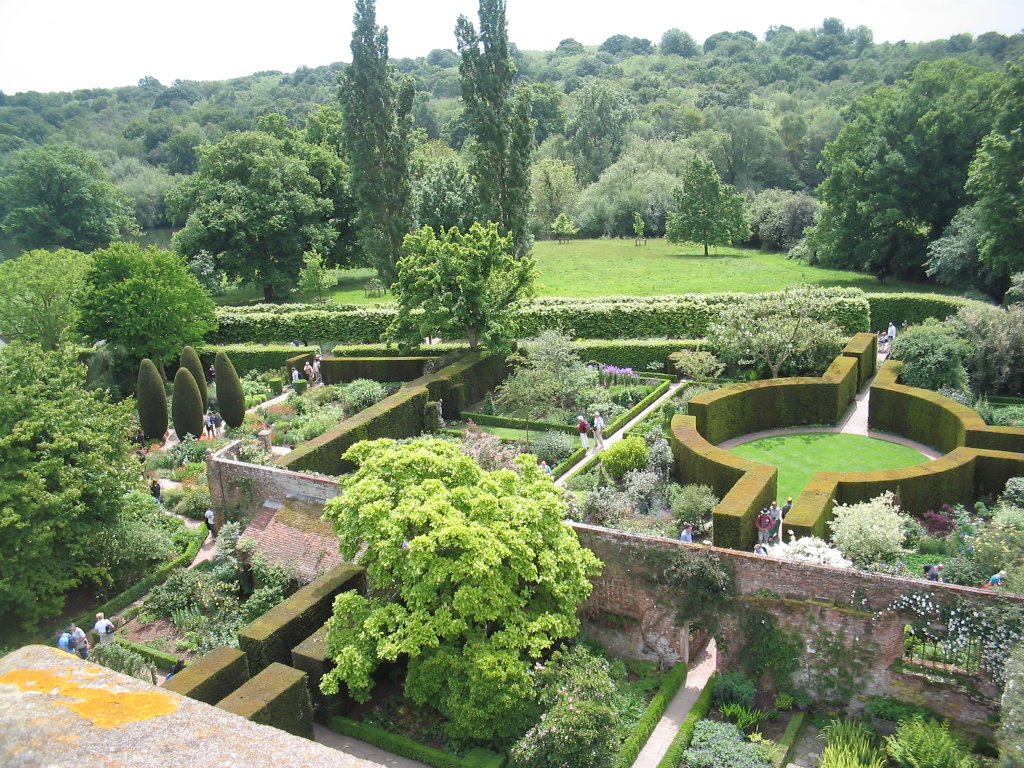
230, 395
919, 742
152, 401
186, 405
189, 359
721, 745
627, 455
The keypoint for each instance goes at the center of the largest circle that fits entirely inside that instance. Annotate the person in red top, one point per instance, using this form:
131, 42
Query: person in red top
764, 524
582, 426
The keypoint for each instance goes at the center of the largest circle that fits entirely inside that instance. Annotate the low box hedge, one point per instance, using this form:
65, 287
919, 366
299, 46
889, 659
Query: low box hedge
406, 747
342, 370
674, 755
562, 467
491, 420
637, 409
787, 744
157, 658
278, 697
648, 721
212, 677
271, 637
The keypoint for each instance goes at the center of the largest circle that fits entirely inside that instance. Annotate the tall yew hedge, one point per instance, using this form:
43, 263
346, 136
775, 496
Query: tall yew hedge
151, 400
186, 405
230, 397
189, 359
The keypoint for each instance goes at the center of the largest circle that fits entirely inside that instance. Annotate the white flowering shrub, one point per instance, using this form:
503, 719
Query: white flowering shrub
809, 549
870, 531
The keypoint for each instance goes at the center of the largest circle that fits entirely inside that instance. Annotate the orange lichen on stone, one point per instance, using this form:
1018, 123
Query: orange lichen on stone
104, 708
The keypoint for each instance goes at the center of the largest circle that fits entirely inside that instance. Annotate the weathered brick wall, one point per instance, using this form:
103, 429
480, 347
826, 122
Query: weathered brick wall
974, 714
239, 489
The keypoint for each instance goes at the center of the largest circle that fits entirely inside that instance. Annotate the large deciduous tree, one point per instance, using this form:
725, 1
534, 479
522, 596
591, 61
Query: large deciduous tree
146, 301
377, 123
773, 328
261, 199
706, 210
459, 284
40, 294
896, 172
598, 124
498, 115
59, 196
64, 470
472, 577
555, 191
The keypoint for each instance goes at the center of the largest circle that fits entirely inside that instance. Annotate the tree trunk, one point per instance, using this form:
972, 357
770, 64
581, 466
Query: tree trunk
705, 249
473, 339
268, 293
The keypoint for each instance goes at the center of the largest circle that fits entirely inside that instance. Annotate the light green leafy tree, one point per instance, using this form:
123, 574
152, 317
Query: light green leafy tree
548, 370
563, 227
315, 276
40, 292
706, 210
145, 301
638, 226
773, 328
377, 108
64, 471
498, 115
459, 285
59, 196
554, 190
472, 577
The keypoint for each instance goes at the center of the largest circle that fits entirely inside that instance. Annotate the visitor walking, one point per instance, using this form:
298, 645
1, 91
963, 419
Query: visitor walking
175, 669
104, 627
776, 515
764, 524
933, 572
892, 332
598, 430
307, 369
547, 469
218, 423
79, 641
787, 506
211, 374
582, 426
997, 580
208, 423
155, 490
295, 375
64, 641
687, 533
211, 522
316, 370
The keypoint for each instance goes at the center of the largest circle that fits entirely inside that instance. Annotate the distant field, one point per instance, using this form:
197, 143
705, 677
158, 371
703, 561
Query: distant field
620, 268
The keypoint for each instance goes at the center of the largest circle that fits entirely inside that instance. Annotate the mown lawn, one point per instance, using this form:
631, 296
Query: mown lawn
799, 456
620, 268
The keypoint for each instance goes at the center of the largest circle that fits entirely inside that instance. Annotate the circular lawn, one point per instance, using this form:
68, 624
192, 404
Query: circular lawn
799, 456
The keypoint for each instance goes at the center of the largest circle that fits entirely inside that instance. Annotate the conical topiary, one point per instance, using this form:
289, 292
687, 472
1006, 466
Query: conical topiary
189, 359
230, 396
186, 405
151, 400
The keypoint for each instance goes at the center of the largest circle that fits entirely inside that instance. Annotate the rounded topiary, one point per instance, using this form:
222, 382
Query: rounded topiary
189, 359
628, 454
186, 405
230, 396
151, 400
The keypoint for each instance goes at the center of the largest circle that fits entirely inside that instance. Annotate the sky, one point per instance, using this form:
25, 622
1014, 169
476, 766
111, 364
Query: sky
63, 45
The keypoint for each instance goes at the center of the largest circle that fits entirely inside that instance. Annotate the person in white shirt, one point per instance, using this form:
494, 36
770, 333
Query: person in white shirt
211, 522
104, 627
79, 641
598, 425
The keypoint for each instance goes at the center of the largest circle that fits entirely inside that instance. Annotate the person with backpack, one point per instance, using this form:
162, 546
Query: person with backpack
104, 627
764, 523
583, 427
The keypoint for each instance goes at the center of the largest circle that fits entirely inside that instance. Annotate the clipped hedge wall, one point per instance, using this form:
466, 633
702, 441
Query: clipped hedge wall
255, 357
390, 350
342, 370
864, 348
919, 414
645, 726
157, 658
679, 317
733, 521
466, 381
674, 755
915, 308
310, 656
637, 354
271, 637
213, 677
490, 420
278, 697
406, 747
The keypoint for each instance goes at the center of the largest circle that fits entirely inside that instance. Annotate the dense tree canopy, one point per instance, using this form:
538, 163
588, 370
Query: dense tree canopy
60, 196
64, 471
40, 295
259, 200
377, 121
459, 285
145, 301
472, 576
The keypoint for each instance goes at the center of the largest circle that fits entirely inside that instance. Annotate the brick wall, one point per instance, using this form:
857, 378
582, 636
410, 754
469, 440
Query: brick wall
238, 489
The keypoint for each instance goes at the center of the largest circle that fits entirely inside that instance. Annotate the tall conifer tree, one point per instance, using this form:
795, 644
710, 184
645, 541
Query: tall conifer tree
377, 111
498, 114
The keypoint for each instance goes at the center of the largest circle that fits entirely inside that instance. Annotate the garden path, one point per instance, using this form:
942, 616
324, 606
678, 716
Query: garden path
665, 731
324, 735
808, 748
612, 439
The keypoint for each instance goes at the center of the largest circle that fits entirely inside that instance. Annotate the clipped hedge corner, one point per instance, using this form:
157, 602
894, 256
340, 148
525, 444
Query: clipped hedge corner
278, 697
214, 676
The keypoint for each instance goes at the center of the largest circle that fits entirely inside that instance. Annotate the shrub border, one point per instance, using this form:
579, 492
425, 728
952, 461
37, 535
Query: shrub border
406, 747
674, 755
645, 726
